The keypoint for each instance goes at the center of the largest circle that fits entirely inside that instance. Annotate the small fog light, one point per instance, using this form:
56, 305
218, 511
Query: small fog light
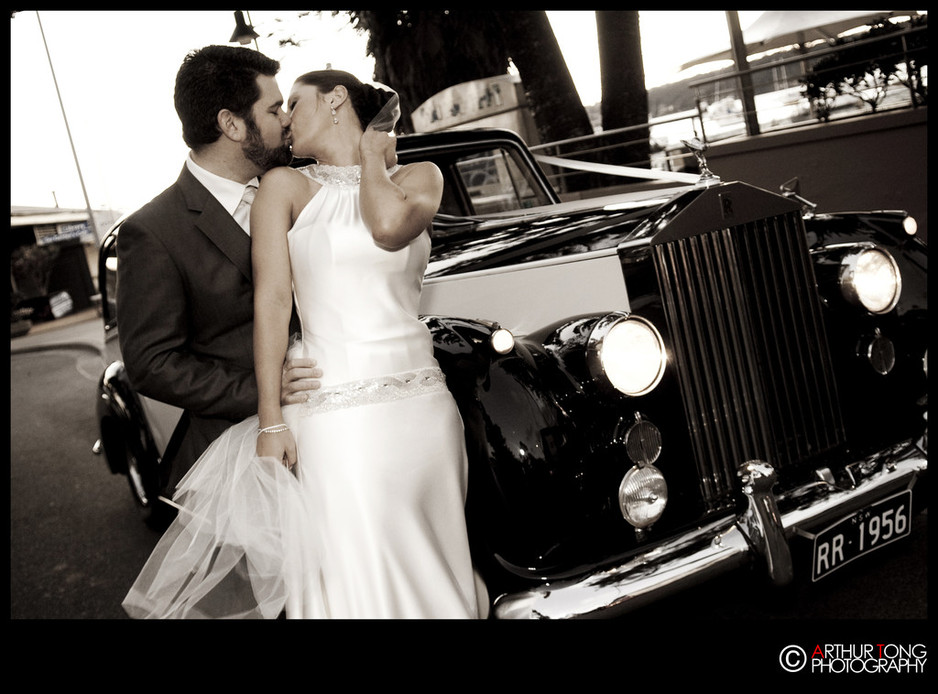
643, 494
502, 341
910, 226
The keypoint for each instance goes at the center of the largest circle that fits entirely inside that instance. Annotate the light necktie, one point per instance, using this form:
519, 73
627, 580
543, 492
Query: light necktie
242, 213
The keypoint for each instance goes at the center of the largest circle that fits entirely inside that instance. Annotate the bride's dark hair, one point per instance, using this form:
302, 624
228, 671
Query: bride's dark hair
366, 99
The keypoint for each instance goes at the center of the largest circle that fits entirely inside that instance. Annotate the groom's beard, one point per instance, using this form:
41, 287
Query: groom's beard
264, 157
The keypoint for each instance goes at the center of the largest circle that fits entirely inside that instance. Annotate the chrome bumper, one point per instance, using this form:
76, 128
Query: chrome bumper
762, 531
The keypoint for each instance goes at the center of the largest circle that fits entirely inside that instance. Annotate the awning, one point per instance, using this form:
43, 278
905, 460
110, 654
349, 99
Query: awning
25, 220
781, 28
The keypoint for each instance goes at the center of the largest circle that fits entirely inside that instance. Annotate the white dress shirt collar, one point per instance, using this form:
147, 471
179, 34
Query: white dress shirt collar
226, 191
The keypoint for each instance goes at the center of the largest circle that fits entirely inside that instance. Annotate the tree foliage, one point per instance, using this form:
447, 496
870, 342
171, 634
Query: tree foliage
422, 52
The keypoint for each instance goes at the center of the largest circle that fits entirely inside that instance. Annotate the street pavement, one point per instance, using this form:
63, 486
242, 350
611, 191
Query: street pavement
80, 330
76, 539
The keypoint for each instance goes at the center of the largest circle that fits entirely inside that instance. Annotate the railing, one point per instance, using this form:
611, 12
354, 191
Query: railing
584, 154
779, 104
784, 105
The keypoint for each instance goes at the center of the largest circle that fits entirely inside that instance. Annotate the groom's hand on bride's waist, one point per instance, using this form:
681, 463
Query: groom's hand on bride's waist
300, 376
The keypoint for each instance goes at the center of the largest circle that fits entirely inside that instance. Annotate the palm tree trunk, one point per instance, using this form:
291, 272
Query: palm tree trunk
625, 99
551, 93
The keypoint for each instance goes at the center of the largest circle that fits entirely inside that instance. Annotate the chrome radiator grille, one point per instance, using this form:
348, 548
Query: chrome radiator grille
749, 347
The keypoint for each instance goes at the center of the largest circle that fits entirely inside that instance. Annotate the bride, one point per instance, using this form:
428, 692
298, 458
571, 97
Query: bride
350, 505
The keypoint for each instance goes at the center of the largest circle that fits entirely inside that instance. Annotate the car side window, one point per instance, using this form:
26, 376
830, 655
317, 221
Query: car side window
494, 182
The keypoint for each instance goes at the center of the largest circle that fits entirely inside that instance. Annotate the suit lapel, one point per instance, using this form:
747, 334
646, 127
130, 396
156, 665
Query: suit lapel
219, 226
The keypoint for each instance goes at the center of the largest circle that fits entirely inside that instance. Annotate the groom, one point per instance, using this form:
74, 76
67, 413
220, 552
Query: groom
185, 292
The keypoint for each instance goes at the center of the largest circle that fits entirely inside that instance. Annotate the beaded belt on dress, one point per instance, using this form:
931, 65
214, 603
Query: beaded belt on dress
376, 390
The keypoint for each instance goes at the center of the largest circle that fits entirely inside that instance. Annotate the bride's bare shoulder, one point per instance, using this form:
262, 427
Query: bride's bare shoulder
287, 184
424, 172
283, 176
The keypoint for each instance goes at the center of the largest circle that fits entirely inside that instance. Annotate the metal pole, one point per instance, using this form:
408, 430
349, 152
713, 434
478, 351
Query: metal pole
250, 23
742, 68
94, 226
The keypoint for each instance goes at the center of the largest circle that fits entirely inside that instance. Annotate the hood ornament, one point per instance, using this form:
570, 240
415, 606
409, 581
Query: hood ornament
707, 177
792, 189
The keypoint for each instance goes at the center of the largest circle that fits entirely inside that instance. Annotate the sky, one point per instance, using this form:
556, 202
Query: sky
115, 72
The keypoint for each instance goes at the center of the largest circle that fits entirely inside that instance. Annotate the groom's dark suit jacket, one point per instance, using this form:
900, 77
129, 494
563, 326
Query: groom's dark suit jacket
185, 314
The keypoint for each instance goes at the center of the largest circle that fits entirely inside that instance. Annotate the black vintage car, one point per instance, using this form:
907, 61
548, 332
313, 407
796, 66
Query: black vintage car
657, 387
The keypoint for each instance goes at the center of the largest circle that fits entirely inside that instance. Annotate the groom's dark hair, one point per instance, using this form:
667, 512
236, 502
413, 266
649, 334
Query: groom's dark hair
215, 78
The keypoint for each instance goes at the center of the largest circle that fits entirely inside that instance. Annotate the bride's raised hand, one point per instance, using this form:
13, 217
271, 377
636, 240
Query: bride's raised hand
379, 144
277, 443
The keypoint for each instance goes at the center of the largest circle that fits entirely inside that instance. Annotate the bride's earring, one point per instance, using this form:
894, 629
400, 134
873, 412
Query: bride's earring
335, 121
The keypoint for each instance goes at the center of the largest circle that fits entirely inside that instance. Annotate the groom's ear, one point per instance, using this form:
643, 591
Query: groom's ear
233, 127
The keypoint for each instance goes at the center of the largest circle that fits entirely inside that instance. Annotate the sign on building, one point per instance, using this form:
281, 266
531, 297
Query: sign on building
66, 231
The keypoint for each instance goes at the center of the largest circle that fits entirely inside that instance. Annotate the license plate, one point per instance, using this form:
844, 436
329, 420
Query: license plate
861, 533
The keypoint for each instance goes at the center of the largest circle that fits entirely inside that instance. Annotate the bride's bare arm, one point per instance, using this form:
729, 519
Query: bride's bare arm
271, 218
398, 210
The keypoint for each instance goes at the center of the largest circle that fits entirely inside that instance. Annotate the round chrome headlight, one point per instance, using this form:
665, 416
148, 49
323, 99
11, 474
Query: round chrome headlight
628, 352
871, 279
643, 494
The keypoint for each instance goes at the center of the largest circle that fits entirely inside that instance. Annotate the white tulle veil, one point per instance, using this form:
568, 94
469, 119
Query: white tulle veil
386, 119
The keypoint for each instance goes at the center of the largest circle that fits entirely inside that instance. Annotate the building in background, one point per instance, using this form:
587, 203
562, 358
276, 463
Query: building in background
53, 262
492, 102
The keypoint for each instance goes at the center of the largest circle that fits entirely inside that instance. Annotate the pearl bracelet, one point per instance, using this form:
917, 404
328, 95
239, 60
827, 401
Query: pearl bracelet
275, 429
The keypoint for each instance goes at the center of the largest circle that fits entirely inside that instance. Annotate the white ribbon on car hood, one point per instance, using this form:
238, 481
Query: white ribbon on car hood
614, 170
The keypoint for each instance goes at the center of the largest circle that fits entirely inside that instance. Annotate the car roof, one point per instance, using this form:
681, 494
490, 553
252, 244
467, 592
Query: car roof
457, 137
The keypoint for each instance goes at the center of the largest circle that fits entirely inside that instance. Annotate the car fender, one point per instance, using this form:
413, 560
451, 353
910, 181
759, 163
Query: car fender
123, 422
528, 491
